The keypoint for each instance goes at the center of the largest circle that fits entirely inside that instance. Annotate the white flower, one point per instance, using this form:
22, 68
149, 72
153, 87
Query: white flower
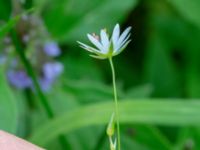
105, 47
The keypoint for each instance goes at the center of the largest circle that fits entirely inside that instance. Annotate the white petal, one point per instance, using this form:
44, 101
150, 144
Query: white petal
115, 35
105, 41
123, 36
84, 46
95, 42
88, 48
122, 48
123, 42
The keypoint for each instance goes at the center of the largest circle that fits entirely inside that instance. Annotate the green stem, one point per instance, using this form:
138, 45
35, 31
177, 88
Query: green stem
30, 72
116, 102
41, 96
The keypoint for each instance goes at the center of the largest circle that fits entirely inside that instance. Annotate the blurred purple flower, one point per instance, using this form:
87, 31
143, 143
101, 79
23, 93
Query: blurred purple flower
52, 49
19, 79
45, 84
52, 70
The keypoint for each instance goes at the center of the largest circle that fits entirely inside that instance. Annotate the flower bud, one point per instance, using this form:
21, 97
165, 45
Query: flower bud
111, 126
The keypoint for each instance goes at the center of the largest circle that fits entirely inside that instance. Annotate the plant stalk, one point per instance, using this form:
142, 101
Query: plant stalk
41, 96
116, 102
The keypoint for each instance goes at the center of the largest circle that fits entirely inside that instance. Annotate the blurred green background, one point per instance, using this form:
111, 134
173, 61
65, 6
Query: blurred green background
158, 74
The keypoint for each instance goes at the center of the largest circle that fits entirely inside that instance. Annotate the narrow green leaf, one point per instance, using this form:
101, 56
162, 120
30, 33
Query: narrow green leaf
7, 27
12, 22
161, 112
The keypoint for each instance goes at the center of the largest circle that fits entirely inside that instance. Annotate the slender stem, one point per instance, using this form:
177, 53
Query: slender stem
41, 96
30, 72
116, 102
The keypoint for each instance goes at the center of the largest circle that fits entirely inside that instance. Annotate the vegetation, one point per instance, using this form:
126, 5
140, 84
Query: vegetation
56, 96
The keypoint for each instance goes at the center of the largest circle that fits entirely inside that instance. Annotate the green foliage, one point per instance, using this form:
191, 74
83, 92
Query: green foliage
8, 106
75, 18
158, 75
175, 112
5, 9
189, 10
7, 27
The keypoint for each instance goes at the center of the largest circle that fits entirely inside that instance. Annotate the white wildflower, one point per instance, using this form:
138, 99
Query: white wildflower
105, 47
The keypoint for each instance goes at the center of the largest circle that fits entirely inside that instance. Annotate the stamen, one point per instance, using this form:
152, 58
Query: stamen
95, 36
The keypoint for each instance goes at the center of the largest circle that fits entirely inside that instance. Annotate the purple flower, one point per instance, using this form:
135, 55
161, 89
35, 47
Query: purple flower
52, 70
52, 49
45, 84
19, 79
